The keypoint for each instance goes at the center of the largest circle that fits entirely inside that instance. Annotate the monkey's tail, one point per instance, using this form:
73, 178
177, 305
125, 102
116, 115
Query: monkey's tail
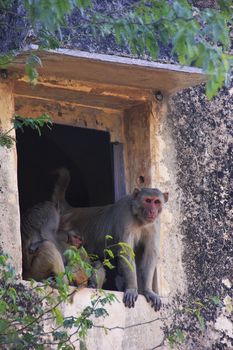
60, 187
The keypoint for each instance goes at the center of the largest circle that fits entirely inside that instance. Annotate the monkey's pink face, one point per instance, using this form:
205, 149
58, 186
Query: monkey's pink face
152, 207
75, 240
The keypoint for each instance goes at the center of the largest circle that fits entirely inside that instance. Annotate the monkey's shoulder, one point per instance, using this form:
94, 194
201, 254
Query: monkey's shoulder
40, 210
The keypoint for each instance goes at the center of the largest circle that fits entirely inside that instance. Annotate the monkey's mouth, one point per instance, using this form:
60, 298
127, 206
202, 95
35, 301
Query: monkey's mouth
150, 218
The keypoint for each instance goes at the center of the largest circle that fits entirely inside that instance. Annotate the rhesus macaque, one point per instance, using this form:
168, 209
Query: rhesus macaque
39, 224
43, 248
134, 219
96, 280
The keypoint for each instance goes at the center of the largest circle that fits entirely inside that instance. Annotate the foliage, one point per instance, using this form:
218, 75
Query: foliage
190, 316
197, 37
78, 257
21, 314
176, 337
19, 122
22, 317
123, 251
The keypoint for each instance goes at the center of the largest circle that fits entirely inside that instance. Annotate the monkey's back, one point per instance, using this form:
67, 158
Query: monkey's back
36, 219
95, 223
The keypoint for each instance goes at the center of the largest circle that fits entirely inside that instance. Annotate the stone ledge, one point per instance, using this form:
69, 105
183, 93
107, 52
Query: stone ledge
139, 328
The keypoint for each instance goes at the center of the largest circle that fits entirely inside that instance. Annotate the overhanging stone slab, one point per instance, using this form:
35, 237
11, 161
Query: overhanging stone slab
115, 70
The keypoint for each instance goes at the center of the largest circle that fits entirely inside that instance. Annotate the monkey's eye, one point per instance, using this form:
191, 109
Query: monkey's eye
157, 201
148, 200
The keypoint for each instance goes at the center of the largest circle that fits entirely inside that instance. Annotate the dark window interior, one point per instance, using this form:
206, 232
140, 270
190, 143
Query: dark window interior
86, 153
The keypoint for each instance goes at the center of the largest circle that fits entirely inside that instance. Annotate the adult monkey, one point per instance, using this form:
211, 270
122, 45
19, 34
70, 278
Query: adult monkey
134, 219
43, 248
39, 226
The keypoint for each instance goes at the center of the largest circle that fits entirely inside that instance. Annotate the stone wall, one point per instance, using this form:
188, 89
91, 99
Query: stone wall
202, 133
10, 240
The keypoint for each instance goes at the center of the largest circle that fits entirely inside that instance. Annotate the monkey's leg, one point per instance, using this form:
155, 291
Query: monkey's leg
80, 278
46, 262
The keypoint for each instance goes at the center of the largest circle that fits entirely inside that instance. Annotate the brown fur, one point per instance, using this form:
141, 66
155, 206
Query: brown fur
43, 248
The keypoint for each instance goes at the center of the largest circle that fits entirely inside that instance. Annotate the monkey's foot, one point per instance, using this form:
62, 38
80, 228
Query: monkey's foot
153, 299
130, 296
92, 284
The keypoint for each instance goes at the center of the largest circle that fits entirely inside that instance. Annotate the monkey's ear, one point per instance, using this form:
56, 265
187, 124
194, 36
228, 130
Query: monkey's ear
135, 192
166, 195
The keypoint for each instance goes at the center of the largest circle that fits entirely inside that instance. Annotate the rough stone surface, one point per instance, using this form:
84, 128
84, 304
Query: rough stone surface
10, 240
202, 131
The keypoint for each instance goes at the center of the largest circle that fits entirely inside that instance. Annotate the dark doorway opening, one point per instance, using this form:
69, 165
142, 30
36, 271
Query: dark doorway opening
86, 153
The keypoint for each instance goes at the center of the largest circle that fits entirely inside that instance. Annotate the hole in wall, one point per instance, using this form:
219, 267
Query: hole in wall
91, 159
141, 180
86, 153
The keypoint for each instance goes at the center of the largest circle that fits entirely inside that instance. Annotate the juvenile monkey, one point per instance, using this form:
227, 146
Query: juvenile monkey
96, 280
134, 219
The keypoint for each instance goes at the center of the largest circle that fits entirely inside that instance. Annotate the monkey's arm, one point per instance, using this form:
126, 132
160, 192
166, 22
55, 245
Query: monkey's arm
147, 268
129, 275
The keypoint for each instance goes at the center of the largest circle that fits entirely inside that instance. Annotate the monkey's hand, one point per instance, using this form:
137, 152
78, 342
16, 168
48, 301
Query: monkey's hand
130, 296
35, 246
153, 299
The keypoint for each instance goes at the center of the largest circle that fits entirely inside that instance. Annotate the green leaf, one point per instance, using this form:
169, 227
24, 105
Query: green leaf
32, 73
60, 335
199, 303
69, 322
34, 123
126, 249
5, 60
109, 253
3, 306
34, 60
47, 40
201, 322
152, 45
216, 300
100, 312
107, 263
12, 294
58, 315
4, 324
107, 237
176, 337
3, 259
6, 141
126, 261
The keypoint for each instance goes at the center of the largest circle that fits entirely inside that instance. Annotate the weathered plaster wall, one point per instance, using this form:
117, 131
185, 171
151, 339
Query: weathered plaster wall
171, 277
73, 115
127, 329
10, 239
137, 146
150, 153
202, 134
